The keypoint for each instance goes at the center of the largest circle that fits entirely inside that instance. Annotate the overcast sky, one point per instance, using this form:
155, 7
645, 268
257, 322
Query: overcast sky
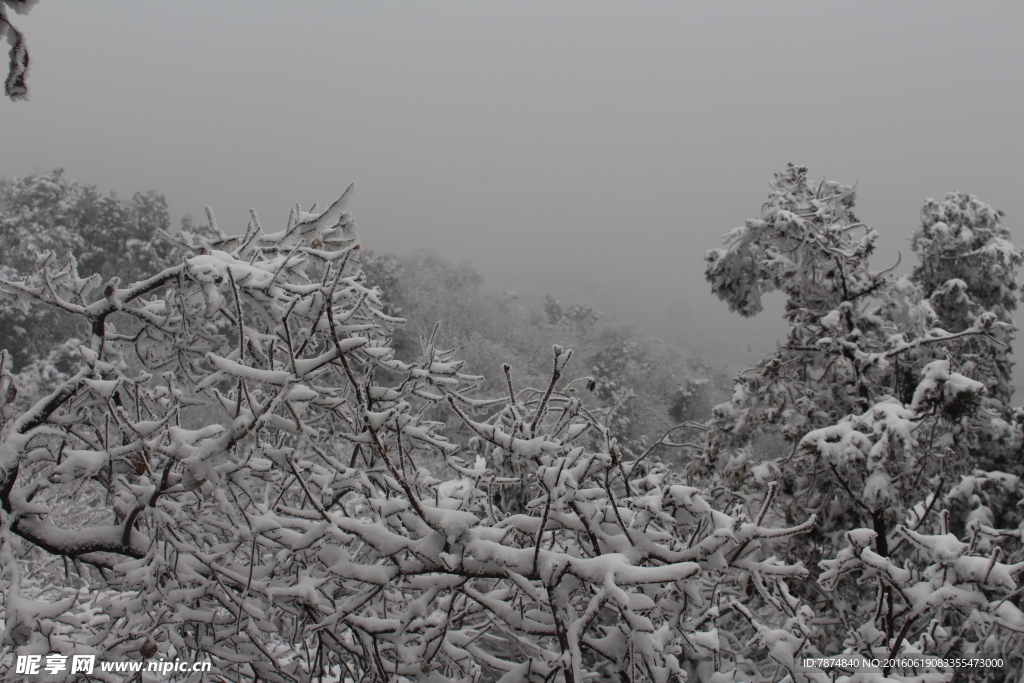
592, 150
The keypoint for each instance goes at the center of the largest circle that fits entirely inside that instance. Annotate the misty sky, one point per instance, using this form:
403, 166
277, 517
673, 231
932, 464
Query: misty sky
592, 150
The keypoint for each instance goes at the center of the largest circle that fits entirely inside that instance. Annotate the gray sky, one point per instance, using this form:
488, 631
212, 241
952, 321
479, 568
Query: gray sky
593, 150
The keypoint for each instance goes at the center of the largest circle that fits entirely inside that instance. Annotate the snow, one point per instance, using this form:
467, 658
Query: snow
215, 267
830, 320
939, 383
81, 463
878, 489
103, 388
230, 367
284, 493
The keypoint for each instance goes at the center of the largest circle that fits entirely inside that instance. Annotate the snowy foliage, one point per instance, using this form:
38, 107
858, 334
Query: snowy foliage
232, 462
887, 391
952, 596
264, 488
108, 235
967, 271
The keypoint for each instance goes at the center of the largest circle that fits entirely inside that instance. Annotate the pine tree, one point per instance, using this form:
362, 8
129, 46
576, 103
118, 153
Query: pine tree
876, 394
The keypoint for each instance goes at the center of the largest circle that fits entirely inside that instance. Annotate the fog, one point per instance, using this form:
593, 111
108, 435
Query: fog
589, 150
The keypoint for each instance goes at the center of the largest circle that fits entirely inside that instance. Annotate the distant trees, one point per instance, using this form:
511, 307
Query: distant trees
110, 236
580, 316
636, 383
885, 391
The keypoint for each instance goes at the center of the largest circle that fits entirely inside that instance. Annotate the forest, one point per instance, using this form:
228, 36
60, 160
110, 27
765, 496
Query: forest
284, 453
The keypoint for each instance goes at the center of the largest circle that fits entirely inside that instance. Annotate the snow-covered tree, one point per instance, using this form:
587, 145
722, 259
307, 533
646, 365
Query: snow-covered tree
250, 476
967, 270
108, 235
883, 391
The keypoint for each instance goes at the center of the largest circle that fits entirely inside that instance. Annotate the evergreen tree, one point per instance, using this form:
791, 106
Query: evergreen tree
967, 272
885, 390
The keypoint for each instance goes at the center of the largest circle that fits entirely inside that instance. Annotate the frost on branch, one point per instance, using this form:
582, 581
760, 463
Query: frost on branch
238, 468
15, 86
952, 595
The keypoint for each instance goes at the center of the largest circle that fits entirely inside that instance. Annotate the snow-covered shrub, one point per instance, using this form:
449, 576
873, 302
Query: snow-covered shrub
258, 496
951, 597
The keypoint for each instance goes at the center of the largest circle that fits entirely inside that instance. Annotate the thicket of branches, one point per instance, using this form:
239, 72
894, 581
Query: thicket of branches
298, 523
239, 466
